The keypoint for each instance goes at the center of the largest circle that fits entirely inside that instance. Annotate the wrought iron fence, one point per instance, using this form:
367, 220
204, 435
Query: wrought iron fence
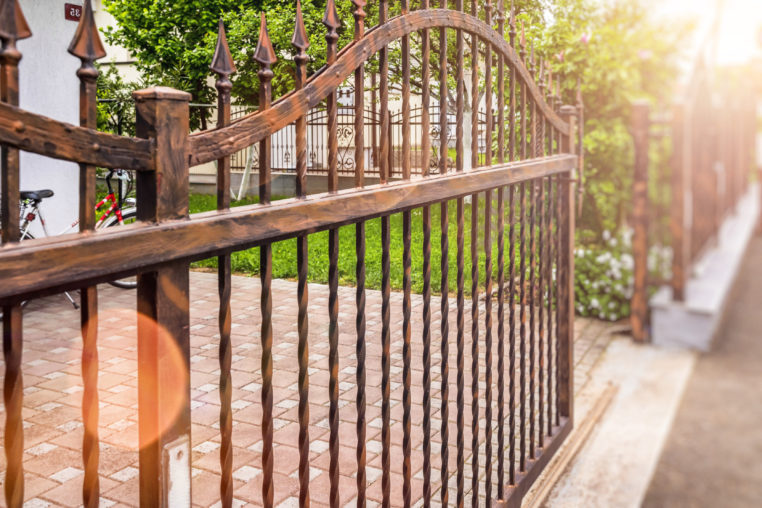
503, 424
283, 142
712, 147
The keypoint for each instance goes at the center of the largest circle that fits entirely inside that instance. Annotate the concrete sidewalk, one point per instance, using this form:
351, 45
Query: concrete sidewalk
713, 455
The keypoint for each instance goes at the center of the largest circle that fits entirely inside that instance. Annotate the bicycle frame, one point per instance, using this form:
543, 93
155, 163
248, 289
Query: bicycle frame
31, 210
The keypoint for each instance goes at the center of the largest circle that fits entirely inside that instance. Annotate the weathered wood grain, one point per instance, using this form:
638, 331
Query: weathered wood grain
71, 260
42, 135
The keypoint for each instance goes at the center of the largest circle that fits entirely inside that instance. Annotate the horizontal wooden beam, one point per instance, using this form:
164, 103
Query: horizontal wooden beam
214, 145
43, 266
42, 135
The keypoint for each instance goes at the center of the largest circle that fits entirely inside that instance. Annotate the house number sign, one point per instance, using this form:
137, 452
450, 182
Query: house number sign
73, 12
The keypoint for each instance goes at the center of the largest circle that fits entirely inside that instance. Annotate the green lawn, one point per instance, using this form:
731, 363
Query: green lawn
284, 253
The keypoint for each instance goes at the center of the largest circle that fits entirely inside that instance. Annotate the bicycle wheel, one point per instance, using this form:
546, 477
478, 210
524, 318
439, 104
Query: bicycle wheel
129, 215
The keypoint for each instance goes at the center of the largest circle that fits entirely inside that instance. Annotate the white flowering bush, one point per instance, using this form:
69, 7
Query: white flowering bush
603, 278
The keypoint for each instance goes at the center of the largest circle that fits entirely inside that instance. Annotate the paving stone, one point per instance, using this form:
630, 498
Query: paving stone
53, 384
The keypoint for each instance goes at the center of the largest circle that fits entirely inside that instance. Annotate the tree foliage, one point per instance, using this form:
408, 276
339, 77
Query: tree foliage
618, 53
614, 49
116, 109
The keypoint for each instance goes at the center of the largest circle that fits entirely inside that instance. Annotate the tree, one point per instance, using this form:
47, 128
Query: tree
617, 53
173, 41
116, 109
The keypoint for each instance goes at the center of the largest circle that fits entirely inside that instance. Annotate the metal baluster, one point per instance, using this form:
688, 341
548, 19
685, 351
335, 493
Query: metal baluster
501, 91
540, 144
522, 248
13, 27
444, 268
500, 341
475, 350
488, 268
87, 46
532, 267
425, 164
301, 42
549, 271
566, 284
406, 276
557, 248
359, 15
523, 106
223, 66
531, 300
474, 269
443, 97
501, 264
360, 373
540, 314
265, 56
557, 253
332, 23
488, 344
474, 94
511, 269
460, 340
385, 173
445, 350
549, 101
406, 358
522, 319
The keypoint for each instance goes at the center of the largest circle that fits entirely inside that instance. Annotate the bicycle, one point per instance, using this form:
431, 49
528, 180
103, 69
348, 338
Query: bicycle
115, 215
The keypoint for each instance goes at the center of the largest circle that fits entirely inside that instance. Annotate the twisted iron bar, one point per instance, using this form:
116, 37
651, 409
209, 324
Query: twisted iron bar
445, 352
475, 350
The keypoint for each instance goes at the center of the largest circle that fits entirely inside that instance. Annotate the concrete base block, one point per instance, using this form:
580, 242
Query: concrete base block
693, 323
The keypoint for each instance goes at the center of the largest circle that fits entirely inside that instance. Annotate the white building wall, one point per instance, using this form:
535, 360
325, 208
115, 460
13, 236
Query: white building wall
115, 54
49, 86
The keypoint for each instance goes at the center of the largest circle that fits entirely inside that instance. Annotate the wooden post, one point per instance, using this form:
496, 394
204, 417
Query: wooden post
163, 319
566, 273
677, 212
639, 301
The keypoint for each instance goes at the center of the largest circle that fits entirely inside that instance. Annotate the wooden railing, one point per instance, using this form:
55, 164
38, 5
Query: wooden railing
521, 209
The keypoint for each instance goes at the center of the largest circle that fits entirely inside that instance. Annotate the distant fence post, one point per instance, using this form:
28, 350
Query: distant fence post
566, 273
639, 301
163, 309
677, 214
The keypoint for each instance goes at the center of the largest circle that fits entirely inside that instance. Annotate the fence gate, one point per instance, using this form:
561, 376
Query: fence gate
482, 432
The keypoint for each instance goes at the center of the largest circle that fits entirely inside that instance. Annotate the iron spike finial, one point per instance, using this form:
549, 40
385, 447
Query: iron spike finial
331, 18
359, 7
264, 54
359, 14
13, 25
222, 62
86, 44
300, 40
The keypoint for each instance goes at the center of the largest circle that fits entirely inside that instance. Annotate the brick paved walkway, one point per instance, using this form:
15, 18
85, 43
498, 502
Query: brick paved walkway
53, 432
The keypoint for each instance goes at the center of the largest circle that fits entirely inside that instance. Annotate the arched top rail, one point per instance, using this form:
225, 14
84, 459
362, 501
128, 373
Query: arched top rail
60, 140
213, 145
